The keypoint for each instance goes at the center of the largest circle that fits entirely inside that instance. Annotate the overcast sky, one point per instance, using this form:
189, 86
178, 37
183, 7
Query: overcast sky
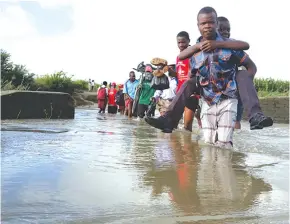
103, 40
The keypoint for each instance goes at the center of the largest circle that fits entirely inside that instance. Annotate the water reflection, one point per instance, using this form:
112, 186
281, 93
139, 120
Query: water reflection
115, 170
198, 180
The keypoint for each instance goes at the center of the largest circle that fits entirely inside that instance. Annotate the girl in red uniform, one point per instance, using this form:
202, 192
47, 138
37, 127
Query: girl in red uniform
112, 106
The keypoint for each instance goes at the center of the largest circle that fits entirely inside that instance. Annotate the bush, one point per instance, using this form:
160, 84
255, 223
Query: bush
57, 82
81, 84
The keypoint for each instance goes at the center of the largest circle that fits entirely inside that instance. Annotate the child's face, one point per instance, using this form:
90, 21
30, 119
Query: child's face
224, 29
182, 43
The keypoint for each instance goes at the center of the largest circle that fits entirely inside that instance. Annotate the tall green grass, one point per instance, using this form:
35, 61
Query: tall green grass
271, 85
59, 81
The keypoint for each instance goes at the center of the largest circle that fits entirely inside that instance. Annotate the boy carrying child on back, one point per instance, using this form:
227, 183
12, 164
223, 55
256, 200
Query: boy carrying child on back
244, 78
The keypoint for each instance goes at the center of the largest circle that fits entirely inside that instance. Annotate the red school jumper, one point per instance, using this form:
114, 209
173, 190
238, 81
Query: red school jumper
182, 70
112, 97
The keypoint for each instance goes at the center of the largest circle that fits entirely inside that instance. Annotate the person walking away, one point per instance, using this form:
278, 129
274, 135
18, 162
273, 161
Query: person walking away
146, 92
112, 106
102, 94
129, 93
93, 85
120, 99
89, 85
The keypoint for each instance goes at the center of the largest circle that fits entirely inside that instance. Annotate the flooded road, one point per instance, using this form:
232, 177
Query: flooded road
108, 169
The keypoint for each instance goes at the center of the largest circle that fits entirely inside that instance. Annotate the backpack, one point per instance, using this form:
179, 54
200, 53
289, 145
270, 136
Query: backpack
119, 97
102, 94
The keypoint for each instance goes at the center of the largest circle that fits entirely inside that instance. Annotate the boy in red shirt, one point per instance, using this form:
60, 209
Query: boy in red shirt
183, 71
112, 106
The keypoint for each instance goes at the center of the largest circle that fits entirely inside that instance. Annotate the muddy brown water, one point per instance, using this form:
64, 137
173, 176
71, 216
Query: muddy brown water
108, 169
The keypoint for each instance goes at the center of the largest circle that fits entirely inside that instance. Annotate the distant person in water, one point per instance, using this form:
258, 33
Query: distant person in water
112, 106
120, 99
129, 93
102, 94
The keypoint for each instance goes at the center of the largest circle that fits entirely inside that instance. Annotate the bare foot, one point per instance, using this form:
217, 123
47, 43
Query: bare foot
238, 125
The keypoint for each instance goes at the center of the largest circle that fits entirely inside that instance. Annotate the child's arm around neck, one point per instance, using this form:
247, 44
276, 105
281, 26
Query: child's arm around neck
190, 51
210, 45
234, 45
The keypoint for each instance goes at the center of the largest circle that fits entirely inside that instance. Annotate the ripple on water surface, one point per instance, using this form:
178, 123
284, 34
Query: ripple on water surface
108, 169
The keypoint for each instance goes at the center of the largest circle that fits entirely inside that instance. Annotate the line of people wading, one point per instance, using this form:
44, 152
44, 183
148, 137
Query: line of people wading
212, 81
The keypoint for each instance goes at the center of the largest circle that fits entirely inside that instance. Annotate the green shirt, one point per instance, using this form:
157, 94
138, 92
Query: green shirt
146, 93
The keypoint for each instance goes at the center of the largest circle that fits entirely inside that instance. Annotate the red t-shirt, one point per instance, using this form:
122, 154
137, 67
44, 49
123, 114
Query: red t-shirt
182, 70
112, 97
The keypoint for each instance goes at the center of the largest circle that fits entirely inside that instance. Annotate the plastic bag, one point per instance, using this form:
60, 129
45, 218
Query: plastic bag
160, 83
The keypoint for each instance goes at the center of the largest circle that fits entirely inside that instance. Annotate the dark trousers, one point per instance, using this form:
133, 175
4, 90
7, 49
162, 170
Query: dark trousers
247, 92
176, 108
142, 109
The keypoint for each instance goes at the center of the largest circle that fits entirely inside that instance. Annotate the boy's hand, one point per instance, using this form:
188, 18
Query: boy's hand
209, 45
199, 123
126, 96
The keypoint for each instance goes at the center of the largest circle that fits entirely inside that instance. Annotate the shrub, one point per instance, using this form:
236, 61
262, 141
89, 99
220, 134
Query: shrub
58, 82
81, 84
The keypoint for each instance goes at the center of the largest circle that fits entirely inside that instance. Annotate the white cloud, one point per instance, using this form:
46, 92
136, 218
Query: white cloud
53, 3
111, 37
14, 23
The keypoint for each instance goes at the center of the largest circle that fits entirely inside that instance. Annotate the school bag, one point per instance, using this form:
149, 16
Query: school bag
119, 96
102, 93
160, 83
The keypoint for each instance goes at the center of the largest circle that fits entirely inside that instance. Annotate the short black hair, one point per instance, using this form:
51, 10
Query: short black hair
183, 34
131, 72
222, 19
105, 83
207, 10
